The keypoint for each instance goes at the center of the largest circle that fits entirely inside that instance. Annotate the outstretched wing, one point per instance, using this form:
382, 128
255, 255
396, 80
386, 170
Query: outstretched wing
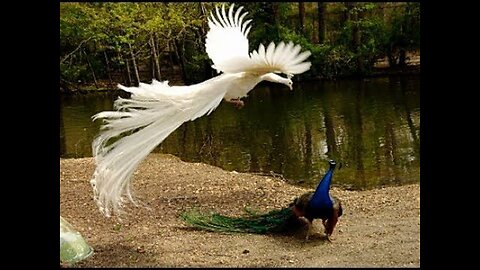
226, 40
284, 58
227, 46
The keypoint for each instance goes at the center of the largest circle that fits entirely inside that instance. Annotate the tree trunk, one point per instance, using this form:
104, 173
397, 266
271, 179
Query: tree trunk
402, 54
322, 27
170, 51
357, 44
270, 18
392, 59
301, 15
159, 52
135, 68
156, 72
91, 69
151, 63
129, 75
124, 77
357, 38
180, 57
346, 11
108, 69
209, 73
275, 6
402, 57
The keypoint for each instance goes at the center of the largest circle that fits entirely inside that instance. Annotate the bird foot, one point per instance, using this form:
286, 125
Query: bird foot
237, 103
327, 237
309, 227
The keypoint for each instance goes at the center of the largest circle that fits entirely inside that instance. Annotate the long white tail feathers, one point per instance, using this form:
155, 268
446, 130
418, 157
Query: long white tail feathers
130, 133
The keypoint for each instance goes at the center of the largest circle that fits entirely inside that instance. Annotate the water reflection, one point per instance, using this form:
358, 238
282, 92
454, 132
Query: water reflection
369, 126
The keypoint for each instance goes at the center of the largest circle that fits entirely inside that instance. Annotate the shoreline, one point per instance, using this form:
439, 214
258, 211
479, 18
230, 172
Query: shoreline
376, 73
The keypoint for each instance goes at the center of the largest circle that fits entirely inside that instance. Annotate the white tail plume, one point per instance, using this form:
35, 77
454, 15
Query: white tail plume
141, 123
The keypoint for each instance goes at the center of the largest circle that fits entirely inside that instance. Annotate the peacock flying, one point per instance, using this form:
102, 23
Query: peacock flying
155, 110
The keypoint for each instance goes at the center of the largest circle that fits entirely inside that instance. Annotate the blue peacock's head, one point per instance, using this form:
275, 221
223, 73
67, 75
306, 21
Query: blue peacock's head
332, 164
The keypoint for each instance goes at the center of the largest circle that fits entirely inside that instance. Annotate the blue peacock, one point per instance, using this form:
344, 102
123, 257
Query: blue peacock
318, 204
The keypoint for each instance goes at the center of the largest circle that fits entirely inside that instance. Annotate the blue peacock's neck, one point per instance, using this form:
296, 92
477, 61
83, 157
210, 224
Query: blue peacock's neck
321, 197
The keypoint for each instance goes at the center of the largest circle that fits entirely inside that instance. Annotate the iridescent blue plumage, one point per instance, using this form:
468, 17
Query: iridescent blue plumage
321, 200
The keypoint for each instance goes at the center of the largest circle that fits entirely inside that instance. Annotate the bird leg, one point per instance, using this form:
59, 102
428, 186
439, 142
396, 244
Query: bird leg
330, 223
237, 102
309, 231
309, 225
327, 233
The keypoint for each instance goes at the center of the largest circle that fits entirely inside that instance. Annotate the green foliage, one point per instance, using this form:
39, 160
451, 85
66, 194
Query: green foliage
327, 61
74, 73
373, 38
93, 33
404, 29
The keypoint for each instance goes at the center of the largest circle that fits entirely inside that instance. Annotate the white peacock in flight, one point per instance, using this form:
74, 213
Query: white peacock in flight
155, 110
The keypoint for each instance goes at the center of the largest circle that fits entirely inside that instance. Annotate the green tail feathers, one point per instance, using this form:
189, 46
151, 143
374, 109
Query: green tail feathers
275, 221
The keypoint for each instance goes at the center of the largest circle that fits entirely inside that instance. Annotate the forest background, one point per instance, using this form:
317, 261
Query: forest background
102, 44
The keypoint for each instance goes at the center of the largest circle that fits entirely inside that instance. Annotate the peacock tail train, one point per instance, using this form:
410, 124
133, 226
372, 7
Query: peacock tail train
276, 221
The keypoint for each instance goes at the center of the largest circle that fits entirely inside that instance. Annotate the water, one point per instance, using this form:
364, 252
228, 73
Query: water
370, 127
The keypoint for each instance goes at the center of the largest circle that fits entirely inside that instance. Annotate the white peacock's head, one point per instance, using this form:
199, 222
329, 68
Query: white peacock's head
288, 82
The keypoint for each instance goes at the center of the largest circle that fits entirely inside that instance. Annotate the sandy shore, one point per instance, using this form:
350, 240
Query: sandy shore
379, 227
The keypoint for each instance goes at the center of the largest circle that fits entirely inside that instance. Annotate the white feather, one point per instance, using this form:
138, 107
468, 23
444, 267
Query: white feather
237, 14
227, 45
226, 39
141, 123
269, 54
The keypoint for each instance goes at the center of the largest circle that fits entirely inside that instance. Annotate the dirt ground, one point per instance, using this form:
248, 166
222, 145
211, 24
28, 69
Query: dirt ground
378, 227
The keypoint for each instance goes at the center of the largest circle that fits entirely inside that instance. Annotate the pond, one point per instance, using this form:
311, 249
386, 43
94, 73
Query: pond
371, 127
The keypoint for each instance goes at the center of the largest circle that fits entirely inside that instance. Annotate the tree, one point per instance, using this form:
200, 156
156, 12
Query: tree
322, 27
301, 15
356, 36
403, 33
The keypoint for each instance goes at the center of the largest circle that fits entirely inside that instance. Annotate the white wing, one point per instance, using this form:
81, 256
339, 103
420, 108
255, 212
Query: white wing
279, 59
227, 46
227, 38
